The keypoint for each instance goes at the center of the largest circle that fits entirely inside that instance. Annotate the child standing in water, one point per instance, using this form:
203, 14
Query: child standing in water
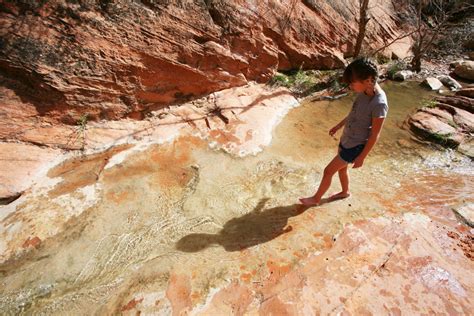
361, 128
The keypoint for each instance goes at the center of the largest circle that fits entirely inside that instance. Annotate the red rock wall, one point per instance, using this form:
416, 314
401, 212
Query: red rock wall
113, 59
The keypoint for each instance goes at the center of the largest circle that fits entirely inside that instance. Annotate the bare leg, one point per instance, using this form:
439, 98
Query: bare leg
344, 178
334, 166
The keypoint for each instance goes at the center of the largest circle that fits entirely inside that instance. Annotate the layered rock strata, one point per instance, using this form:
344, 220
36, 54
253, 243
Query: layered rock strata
448, 121
64, 61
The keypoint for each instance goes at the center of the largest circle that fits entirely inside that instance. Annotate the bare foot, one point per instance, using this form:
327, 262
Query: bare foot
310, 201
339, 196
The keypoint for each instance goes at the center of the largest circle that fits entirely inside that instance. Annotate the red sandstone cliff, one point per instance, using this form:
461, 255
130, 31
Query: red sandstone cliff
113, 59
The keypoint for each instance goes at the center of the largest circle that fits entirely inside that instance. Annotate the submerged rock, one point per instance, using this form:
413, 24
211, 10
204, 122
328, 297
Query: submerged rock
432, 83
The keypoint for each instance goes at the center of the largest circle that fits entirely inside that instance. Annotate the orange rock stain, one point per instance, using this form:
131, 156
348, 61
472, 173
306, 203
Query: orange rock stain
131, 305
179, 293
81, 172
33, 242
119, 197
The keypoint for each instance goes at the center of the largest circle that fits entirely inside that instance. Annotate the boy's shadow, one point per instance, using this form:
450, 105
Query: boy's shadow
256, 227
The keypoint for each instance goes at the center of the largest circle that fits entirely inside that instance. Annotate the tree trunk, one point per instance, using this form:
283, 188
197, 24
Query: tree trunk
363, 20
417, 51
416, 61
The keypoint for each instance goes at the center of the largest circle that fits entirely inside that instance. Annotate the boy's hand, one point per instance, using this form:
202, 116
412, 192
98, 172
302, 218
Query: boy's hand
333, 130
358, 162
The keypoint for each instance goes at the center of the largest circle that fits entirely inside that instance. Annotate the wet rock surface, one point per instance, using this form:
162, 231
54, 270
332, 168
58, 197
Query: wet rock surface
236, 121
19, 165
190, 226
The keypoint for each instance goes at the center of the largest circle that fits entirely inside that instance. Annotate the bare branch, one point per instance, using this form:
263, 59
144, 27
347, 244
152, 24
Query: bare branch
393, 41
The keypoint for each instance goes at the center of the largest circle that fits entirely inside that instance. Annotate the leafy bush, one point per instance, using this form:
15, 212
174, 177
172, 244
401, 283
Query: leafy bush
304, 82
396, 66
428, 103
382, 59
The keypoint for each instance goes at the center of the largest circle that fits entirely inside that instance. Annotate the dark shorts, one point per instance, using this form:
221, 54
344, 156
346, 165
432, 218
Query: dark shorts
350, 154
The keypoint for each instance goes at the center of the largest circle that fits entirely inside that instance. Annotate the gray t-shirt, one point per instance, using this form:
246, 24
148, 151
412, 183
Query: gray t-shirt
359, 121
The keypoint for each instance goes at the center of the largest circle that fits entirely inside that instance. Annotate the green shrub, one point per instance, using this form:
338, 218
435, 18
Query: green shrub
429, 103
304, 82
279, 79
382, 59
396, 66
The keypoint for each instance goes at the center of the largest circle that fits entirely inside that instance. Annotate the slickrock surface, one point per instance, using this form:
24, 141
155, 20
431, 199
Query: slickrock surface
238, 120
193, 224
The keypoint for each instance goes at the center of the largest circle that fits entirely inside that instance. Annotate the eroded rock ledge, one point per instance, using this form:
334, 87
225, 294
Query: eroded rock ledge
448, 121
238, 120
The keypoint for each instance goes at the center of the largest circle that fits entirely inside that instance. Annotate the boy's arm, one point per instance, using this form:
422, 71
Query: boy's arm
333, 130
377, 123
342, 123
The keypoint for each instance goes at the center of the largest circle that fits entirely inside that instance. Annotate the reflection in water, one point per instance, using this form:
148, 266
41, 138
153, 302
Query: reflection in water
256, 227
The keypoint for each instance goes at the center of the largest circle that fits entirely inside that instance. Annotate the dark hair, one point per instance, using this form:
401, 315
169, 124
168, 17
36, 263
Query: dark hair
360, 69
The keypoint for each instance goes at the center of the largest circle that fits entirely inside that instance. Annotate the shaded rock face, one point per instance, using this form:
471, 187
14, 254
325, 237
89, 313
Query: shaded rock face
450, 82
114, 59
467, 92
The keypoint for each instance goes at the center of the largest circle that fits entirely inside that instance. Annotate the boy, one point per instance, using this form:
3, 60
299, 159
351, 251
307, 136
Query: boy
361, 128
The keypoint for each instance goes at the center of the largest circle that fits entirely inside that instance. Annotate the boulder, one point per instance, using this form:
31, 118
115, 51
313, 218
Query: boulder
465, 70
450, 82
403, 75
432, 83
444, 124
